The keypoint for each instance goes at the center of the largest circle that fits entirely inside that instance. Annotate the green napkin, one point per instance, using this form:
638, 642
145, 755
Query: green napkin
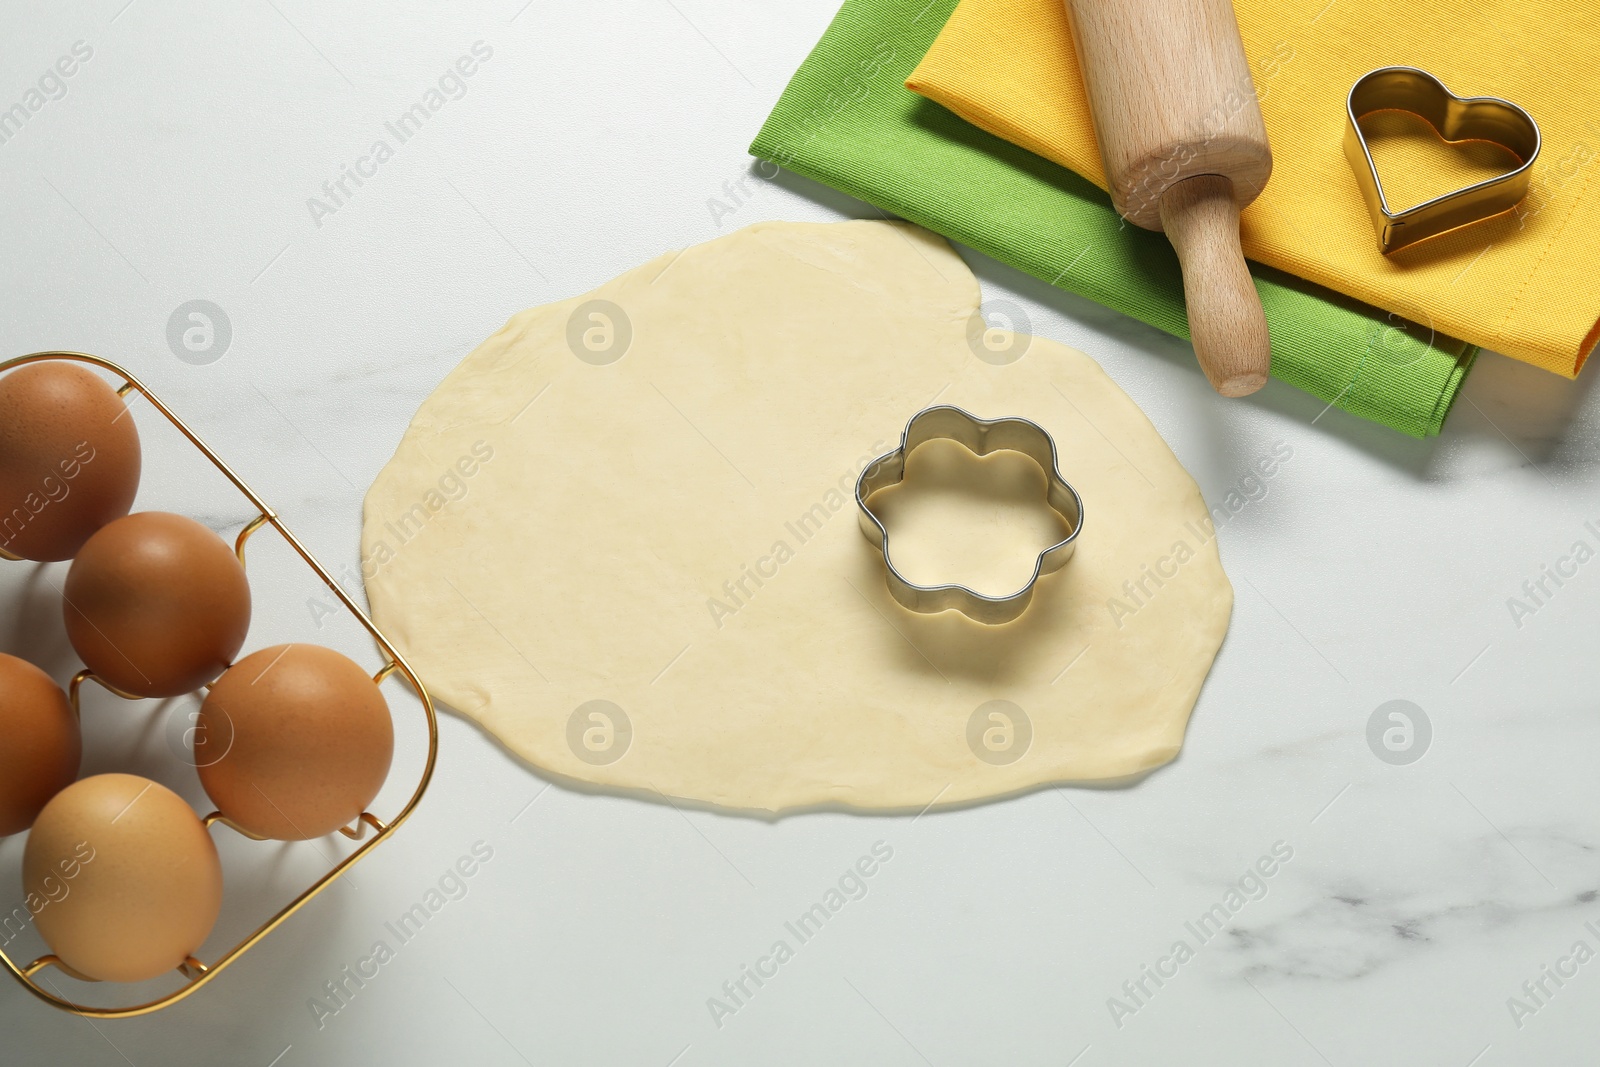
848, 121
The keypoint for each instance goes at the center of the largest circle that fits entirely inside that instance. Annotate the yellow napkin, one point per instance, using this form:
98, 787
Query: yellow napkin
1521, 283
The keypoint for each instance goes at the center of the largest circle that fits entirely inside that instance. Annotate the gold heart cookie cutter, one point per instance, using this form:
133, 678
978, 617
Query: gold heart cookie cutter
1454, 118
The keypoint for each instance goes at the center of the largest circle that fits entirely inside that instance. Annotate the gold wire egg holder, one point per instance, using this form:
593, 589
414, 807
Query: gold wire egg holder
194, 971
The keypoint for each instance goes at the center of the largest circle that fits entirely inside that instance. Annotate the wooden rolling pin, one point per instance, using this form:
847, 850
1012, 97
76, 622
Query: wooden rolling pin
1185, 150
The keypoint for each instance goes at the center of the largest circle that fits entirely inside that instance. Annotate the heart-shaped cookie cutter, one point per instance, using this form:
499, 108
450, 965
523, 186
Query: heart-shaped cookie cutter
980, 437
1455, 118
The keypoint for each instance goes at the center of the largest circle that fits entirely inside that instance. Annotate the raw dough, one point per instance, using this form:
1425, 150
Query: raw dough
621, 537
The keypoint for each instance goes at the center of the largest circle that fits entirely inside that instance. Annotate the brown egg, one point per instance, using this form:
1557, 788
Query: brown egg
40, 743
69, 459
121, 877
157, 604
294, 742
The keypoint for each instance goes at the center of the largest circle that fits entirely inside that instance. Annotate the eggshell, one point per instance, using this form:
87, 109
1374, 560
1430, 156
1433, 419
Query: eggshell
40, 743
69, 459
294, 742
157, 604
122, 878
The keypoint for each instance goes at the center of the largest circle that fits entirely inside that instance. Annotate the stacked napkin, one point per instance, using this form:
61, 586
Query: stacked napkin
1519, 284
847, 120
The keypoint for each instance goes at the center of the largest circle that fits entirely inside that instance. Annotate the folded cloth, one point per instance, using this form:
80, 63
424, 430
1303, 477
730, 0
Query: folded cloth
846, 120
1518, 284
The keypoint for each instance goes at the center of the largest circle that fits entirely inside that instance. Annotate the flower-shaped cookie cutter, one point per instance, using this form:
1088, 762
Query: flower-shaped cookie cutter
980, 437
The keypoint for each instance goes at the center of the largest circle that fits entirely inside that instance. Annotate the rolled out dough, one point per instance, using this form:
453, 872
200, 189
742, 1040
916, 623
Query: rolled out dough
621, 536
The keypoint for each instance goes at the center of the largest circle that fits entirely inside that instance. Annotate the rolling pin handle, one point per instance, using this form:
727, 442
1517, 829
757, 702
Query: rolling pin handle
1201, 218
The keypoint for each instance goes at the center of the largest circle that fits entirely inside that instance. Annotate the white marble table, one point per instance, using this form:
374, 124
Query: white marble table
1408, 902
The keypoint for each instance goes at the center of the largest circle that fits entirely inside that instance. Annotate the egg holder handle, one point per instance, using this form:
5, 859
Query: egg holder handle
196, 973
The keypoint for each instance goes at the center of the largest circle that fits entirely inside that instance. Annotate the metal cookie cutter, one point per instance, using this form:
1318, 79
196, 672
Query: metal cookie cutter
1455, 118
980, 437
